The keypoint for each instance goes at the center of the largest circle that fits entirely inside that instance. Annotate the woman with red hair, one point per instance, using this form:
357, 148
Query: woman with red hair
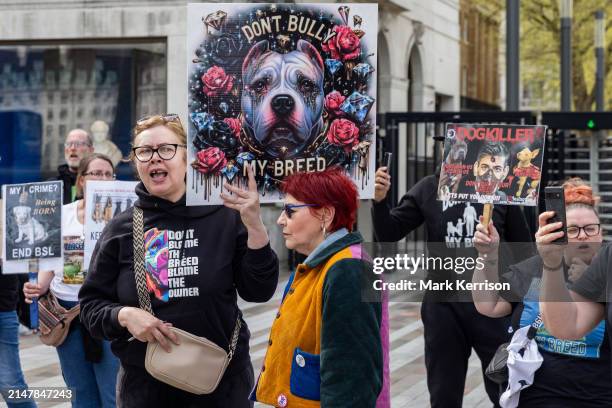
573, 373
325, 346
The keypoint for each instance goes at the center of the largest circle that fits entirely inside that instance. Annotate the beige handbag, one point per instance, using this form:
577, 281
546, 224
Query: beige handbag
195, 365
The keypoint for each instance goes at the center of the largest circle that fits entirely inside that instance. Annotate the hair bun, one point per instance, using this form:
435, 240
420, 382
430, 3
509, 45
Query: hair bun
577, 191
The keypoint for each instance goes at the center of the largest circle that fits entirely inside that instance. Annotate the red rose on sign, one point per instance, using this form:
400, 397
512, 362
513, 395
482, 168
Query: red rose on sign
210, 161
235, 125
333, 102
216, 81
345, 45
343, 132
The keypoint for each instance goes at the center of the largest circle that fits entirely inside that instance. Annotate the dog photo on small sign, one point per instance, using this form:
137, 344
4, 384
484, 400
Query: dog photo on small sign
32, 218
281, 88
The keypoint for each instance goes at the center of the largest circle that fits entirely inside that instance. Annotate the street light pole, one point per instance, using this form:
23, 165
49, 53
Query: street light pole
566, 55
512, 55
596, 137
600, 33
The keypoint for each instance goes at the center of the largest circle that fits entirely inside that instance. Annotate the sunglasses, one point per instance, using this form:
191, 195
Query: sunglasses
167, 117
289, 209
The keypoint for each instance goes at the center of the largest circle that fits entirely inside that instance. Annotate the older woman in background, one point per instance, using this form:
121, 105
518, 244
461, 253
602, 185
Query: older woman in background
325, 346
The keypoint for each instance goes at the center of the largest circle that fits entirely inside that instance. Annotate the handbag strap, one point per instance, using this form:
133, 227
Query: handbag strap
144, 299
234, 341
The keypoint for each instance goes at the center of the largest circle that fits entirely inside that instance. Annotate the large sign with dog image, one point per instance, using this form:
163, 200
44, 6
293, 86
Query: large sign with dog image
498, 164
32, 219
281, 88
103, 201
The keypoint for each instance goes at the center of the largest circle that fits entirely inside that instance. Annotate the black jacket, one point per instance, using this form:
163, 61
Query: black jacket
203, 278
8, 292
69, 179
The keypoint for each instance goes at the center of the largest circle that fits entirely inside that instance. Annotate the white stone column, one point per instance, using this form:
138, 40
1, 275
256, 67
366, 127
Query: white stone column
176, 63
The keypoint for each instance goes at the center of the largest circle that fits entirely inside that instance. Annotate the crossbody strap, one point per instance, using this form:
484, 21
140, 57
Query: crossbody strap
234, 341
144, 299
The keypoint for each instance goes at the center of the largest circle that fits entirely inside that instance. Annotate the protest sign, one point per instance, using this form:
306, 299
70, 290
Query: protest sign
103, 201
282, 88
497, 164
32, 219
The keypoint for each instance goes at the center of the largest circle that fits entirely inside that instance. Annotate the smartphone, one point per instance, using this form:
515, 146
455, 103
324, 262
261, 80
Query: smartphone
554, 198
388, 158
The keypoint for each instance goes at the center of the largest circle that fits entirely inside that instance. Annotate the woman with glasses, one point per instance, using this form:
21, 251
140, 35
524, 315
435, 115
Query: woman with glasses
325, 345
197, 261
574, 373
88, 365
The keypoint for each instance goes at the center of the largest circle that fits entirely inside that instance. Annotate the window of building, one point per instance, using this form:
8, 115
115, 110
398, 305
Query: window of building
49, 89
465, 28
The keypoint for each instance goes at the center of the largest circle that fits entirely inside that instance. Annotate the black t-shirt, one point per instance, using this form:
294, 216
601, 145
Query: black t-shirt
574, 373
8, 292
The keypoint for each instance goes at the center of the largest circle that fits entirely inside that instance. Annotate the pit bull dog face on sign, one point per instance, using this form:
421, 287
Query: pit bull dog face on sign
458, 151
282, 98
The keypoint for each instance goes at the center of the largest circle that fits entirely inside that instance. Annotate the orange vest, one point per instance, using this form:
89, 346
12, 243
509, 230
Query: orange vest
295, 337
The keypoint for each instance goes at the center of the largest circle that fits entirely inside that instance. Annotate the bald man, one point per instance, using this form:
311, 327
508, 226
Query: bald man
77, 145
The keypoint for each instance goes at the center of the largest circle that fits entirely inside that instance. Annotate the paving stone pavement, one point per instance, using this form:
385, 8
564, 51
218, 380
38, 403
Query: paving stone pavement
408, 383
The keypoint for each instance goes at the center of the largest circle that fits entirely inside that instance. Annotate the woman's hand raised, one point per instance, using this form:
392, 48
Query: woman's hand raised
246, 202
486, 239
552, 255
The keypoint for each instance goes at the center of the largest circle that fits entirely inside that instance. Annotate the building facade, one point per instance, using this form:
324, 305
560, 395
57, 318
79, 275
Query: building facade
480, 41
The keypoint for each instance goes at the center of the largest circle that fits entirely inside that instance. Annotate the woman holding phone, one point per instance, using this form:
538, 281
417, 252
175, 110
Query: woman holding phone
573, 373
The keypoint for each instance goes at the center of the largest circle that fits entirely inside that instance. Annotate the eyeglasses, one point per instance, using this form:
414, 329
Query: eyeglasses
101, 174
76, 144
167, 117
590, 230
289, 209
165, 151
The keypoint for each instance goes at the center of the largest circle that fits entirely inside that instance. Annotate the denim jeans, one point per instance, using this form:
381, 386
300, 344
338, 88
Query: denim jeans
93, 383
11, 375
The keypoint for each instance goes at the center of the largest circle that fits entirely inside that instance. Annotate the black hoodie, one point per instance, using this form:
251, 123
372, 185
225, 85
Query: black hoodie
203, 250
447, 232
